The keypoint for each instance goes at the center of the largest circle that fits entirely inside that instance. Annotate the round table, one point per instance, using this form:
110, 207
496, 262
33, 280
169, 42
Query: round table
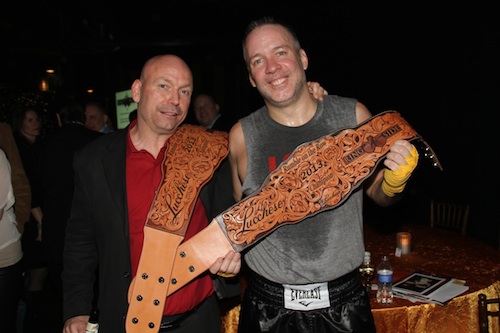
436, 252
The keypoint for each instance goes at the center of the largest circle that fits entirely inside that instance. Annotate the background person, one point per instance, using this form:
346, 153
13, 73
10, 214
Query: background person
22, 207
97, 118
208, 114
27, 126
55, 164
20, 182
11, 251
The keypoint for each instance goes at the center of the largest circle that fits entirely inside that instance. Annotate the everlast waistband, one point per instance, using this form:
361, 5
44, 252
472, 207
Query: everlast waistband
272, 293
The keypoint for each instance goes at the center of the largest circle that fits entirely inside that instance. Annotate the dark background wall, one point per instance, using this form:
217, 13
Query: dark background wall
436, 63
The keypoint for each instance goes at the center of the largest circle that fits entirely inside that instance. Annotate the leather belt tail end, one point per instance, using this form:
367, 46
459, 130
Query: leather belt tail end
148, 288
199, 253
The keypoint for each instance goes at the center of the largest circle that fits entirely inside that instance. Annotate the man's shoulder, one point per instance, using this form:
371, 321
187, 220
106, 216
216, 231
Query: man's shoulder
338, 99
69, 135
91, 135
103, 143
259, 113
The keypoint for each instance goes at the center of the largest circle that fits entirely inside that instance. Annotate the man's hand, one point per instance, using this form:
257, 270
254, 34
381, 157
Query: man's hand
400, 150
228, 266
401, 160
316, 90
76, 324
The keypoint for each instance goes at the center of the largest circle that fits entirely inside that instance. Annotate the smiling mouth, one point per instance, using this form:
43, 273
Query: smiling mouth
278, 82
170, 112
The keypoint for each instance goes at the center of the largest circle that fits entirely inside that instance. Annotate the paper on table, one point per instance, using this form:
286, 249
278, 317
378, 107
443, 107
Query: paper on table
418, 283
416, 298
449, 290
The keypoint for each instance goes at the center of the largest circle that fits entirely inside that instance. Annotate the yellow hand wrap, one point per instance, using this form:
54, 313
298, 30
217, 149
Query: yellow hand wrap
395, 180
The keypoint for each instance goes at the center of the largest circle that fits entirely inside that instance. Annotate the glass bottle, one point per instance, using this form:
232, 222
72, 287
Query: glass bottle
384, 281
93, 325
367, 271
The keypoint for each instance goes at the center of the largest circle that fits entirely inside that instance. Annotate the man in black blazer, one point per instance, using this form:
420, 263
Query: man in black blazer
115, 181
55, 163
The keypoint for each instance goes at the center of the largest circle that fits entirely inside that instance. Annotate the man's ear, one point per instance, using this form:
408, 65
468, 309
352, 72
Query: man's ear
136, 90
58, 118
252, 82
304, 59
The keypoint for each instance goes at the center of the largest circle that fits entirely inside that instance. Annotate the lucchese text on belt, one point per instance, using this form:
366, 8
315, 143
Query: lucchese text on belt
318, 175
187, 166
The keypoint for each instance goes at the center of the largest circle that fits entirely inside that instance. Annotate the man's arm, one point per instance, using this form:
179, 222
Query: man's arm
80, 257
389, 180
237, 159
388, 183
20, 183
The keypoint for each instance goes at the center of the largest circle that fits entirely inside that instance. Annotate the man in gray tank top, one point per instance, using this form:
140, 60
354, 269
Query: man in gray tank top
303, 277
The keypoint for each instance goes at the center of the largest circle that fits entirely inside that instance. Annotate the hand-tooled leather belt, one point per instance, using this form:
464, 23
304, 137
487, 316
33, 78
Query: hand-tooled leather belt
192, 156
318, 175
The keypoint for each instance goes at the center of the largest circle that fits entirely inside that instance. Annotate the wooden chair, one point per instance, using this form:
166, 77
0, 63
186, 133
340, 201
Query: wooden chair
450, 216
485, 313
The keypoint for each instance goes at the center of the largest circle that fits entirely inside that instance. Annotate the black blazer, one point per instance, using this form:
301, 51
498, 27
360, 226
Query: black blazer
55, 164
97, 231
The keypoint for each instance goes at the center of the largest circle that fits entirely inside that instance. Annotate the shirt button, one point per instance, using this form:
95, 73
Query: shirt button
126, 274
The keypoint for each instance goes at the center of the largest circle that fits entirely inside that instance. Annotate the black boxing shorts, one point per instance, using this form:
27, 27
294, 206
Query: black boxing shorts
341, 305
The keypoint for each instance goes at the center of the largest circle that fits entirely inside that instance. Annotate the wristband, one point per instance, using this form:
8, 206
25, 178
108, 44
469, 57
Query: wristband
395, 180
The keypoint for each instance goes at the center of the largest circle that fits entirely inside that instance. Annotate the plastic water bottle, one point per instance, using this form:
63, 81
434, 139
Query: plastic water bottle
384, 280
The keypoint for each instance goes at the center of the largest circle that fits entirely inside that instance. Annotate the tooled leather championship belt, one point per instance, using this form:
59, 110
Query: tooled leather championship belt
192, 156
318, 175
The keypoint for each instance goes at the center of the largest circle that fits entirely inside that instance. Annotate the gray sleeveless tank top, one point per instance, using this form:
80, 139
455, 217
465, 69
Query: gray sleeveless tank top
322, 247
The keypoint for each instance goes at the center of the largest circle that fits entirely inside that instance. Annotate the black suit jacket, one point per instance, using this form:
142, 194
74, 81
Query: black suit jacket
223, 123
55, 163
97, 232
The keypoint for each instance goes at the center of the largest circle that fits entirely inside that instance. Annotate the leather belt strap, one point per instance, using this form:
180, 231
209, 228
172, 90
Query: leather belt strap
193, 155
318, 175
